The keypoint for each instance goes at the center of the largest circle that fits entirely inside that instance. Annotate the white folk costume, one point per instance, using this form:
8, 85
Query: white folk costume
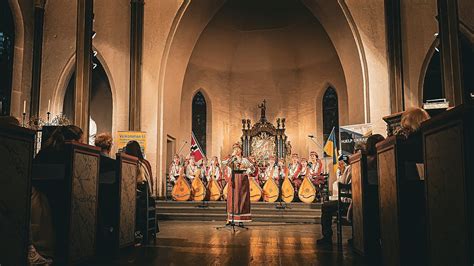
272, 171
174, 172
238, 193
214, 172
315, 171
294, 170
191, 171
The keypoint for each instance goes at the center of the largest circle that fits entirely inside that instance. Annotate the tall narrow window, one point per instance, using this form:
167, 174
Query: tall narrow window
7, 42
330, 114
199, 124
432, 83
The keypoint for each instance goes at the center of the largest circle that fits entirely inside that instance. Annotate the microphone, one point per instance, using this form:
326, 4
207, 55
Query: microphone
310, 136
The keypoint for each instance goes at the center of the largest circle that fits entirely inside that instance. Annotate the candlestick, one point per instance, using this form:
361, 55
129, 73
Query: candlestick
24, 106
23, 117
49, 106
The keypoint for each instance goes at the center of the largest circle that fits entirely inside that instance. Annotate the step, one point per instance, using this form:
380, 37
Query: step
255, 217
209, 210
300, 205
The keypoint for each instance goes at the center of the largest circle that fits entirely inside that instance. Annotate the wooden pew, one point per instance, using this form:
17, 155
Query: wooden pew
365, 207
402, 202
117, 205
16, 156
73, 197
449, 174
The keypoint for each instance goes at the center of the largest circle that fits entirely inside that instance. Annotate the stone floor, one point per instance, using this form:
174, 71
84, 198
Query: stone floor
199, 243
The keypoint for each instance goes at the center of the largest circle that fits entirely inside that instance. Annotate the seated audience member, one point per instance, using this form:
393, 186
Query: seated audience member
409, 130
144, 182
144, 167
104, 142
411, 121
9, 120
372, 175
42, 231
329, 208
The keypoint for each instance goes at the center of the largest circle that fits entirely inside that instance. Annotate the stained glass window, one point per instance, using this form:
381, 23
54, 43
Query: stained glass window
199, 119
330, 114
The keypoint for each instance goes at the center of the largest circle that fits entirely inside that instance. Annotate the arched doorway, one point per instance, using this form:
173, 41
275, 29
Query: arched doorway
101, 104
7, 42
199, 119
330, 114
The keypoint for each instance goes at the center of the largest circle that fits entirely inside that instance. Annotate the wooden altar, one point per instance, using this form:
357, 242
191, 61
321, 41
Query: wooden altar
263, 139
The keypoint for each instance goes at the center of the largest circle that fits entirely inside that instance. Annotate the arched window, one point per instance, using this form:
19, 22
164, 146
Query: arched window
432, 83
101, 103
330, 114
199, 124
7, 42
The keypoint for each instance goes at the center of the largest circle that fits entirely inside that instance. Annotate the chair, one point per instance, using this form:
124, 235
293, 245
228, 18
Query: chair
323, 188
343, 201
146, 214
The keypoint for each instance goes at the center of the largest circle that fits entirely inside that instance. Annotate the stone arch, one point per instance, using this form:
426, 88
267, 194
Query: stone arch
65, 76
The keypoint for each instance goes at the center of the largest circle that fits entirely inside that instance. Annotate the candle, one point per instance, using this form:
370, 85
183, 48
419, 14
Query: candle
49, 106
24, 106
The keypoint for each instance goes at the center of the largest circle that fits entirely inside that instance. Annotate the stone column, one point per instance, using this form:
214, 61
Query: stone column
37, 56
450, 54
83, 64
395, 56
136, 47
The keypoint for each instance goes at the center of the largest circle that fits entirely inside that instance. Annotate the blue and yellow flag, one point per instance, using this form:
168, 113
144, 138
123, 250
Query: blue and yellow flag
330, 148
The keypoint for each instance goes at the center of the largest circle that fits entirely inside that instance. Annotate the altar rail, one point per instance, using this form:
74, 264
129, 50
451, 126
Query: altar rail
449, 170
16, 155
402, 202
72, 191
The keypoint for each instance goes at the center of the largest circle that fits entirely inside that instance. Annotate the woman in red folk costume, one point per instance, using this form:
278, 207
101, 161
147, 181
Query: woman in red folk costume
294, 169
315, 169
238, 191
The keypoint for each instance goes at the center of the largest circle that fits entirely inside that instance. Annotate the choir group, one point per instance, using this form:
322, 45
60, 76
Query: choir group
274, 171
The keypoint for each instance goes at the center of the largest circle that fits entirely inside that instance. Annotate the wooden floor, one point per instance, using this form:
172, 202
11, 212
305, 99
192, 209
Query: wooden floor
199, 243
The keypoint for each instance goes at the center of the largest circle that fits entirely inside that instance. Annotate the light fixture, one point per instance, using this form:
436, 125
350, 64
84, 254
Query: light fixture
94, 65
436, 34
94, 34
94, 53
437, 49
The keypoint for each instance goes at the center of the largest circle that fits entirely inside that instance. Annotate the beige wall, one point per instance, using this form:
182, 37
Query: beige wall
289, 65
111, 43
23, 16
419, 25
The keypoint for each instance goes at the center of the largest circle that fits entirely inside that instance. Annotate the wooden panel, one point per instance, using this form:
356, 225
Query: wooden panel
83, 205
444, 167
389, 230
128, 202
16, 154
358, 207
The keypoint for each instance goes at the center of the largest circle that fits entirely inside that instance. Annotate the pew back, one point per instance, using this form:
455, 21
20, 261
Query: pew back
449, 175
74, 201
359, 176
16, 156
401, 199
127, 171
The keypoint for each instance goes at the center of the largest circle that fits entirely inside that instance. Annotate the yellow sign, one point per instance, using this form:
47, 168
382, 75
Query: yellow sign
123, 137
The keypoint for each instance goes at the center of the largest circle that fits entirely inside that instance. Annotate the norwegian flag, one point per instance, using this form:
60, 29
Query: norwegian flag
196, 150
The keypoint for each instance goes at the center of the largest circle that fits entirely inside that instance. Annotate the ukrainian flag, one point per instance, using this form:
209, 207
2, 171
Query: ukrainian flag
330, 148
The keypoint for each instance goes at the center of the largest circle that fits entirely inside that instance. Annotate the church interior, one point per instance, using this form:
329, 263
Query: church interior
236, 132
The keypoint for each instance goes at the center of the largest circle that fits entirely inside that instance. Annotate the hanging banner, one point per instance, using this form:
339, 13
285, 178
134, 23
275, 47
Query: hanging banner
352, 135
123, 137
